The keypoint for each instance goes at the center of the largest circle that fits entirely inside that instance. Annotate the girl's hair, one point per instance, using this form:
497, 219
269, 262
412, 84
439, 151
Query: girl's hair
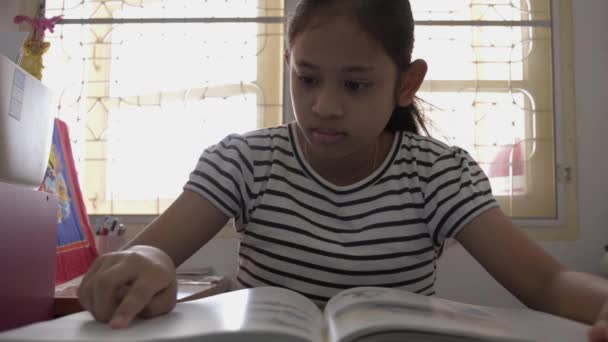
390, 22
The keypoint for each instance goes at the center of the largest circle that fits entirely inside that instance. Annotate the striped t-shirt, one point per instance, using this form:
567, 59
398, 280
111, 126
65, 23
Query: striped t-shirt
301, 232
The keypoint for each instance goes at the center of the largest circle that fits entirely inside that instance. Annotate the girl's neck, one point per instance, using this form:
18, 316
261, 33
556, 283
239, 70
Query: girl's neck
350, 169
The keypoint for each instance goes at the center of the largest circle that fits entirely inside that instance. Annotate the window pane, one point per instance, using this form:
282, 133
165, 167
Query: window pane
188, 9
510, 10
177, 57
491, 127
143, 100
77, 9
152, 151
472, 53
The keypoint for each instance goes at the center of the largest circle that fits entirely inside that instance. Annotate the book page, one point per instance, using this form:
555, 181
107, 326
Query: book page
540, 326
261, 314
367, 313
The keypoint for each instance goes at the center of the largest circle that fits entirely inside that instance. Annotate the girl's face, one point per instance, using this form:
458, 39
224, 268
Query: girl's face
342, 86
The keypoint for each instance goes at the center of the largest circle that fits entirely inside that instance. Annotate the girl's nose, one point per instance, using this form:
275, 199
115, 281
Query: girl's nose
328, 104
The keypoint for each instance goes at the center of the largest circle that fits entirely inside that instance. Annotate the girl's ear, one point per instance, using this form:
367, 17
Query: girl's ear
287, 56
410, 81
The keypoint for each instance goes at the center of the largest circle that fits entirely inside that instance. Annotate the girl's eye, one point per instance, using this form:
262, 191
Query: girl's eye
355, 86
309, 81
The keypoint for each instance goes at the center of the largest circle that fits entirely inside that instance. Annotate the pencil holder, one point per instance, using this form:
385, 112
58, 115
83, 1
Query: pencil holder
109, 243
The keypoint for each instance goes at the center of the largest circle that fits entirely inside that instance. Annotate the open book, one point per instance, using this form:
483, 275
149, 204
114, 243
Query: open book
363, 314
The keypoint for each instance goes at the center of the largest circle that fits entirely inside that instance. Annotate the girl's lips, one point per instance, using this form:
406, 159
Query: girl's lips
326, 136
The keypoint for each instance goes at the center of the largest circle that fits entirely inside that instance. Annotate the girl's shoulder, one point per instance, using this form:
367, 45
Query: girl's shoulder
257, 147
269, 135
431, 151
257, 139
425, 146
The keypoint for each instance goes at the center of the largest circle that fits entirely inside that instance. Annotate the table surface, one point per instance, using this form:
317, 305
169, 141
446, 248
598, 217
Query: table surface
66, 297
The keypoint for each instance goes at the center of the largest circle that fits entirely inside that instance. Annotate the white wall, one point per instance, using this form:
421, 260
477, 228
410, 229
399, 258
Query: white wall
8, 10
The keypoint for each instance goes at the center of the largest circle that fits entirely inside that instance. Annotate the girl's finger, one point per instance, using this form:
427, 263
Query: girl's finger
137, 298
108, 290
85, 289
161, 303
598, 332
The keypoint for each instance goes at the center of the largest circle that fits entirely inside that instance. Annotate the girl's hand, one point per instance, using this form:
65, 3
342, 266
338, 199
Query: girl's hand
137, 281
599, 332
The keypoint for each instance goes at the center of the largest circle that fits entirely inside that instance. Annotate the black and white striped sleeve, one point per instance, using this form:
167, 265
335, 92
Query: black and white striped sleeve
221, 176
456, 192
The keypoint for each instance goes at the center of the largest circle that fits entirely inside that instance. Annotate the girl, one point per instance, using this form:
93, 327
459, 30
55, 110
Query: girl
349, 194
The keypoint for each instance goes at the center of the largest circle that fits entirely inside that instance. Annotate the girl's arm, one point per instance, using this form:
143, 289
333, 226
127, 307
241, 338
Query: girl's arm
530, 273
140, 279
187, 225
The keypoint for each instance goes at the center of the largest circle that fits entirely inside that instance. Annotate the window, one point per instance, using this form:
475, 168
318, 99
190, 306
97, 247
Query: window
145, 86
494, 93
